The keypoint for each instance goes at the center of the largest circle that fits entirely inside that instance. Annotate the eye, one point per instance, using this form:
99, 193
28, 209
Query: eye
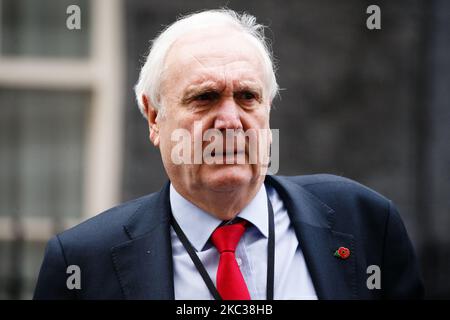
245, 95
207, 96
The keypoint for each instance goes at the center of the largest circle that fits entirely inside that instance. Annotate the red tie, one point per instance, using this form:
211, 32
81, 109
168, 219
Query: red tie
229, 280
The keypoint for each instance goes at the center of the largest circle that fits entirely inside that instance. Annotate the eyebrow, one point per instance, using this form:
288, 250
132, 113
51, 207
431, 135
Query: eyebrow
218, 86
196, 89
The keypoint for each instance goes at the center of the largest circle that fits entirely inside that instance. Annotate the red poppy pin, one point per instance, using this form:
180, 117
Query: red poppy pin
342, 253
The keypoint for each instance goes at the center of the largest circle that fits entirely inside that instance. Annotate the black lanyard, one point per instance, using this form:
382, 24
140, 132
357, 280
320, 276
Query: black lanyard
201, 269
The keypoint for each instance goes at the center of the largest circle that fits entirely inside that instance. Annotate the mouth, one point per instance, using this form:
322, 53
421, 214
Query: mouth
230, 153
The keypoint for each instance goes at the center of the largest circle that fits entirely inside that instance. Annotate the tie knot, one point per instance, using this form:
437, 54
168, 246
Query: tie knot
226, 238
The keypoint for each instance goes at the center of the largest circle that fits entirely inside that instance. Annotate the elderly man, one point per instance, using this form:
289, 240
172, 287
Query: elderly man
224, 229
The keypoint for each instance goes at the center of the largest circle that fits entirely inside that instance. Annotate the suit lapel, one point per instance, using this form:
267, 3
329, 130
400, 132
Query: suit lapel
333, 278
144, 263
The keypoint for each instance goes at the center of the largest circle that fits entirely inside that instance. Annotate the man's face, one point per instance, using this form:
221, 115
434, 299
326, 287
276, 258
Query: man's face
215, 77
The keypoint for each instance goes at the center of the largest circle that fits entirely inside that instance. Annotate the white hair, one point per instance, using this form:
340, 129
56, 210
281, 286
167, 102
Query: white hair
151, 73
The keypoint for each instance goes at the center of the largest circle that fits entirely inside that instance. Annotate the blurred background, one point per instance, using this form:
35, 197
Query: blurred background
370, 105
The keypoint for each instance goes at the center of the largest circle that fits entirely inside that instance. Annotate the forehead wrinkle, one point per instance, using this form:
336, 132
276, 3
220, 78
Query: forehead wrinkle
218, 77
224, 78
197, 60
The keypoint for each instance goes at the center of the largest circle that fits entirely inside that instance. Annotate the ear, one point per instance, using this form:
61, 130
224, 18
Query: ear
151, 112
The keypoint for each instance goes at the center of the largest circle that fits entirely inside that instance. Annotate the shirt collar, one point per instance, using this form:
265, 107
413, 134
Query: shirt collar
198, 225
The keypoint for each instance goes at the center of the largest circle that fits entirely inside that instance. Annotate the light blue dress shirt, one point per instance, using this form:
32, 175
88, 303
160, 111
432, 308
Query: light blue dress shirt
292, 278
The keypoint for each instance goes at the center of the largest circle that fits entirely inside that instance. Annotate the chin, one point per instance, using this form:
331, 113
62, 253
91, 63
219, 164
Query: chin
227, 178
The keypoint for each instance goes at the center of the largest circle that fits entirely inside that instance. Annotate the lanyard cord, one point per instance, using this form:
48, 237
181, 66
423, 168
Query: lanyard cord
204, 274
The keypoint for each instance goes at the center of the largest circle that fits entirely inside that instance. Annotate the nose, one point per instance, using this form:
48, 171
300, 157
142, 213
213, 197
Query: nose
227, 116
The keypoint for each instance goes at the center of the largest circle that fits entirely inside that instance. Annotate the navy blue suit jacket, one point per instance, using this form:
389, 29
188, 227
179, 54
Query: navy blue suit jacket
125, 252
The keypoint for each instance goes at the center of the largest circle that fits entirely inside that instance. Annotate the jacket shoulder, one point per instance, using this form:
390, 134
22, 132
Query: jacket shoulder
331, 188
106, 228
354, 205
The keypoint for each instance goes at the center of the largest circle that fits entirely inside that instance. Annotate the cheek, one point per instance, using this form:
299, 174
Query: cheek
266, 118
259, 120
165, 143
175, 130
